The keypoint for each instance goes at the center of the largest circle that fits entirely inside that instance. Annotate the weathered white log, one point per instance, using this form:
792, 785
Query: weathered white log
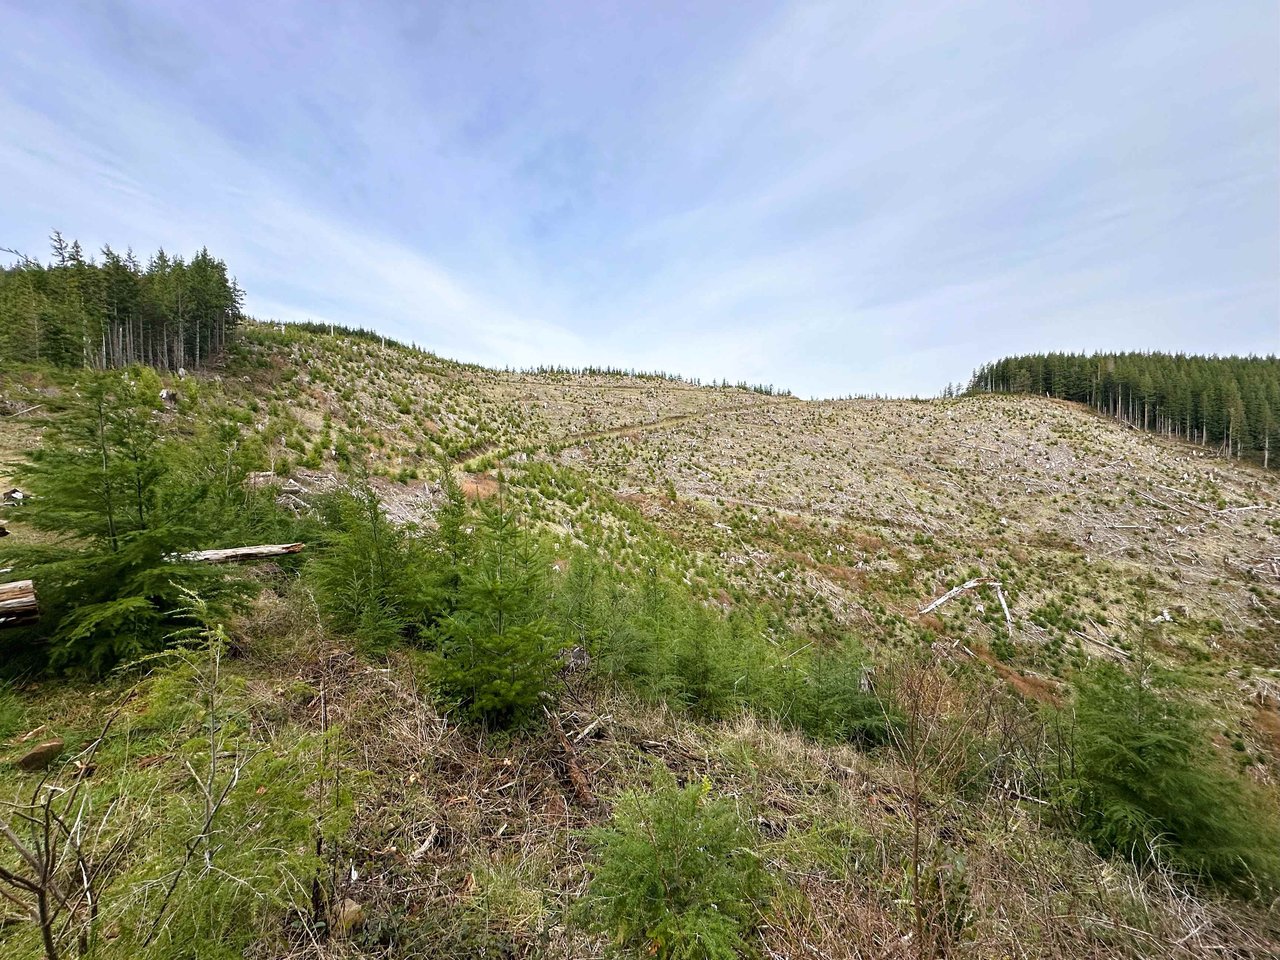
955, 592
1110, 647
240, 554
969, 585
1008, 620
18, 603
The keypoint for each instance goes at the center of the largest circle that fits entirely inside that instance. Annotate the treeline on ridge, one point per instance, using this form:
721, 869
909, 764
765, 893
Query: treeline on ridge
76, 311
593, 370
351, 333
1229, 403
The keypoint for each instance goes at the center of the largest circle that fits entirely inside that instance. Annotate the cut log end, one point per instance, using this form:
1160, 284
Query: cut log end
18, 603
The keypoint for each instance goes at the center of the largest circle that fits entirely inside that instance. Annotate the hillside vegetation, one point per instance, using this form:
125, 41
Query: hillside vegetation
585, 664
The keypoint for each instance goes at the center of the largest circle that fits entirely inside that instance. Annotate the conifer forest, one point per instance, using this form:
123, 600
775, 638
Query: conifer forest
1229, 403
113, 310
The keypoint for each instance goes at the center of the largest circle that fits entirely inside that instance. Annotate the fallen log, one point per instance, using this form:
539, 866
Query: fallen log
969, 585
18, 603
955, 592
240, 554
1110, 648
1004, 605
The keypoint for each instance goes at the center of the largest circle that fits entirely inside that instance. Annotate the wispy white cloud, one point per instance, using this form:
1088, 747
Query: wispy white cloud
115, 168
832, 197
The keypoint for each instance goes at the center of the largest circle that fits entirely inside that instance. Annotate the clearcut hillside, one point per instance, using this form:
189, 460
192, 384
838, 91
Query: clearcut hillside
990, 676
857, 512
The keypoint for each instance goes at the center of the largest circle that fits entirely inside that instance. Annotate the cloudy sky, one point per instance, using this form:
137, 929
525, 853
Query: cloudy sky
835, 197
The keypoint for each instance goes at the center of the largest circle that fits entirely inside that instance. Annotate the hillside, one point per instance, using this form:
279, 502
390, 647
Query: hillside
861, 504
796, 527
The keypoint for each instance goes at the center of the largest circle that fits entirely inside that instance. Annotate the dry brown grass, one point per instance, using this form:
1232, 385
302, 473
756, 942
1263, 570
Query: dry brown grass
466, 844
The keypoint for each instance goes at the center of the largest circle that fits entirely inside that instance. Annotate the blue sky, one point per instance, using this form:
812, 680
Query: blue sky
832, 197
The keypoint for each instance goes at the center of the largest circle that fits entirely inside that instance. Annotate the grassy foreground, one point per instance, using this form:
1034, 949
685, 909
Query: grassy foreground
593, 665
